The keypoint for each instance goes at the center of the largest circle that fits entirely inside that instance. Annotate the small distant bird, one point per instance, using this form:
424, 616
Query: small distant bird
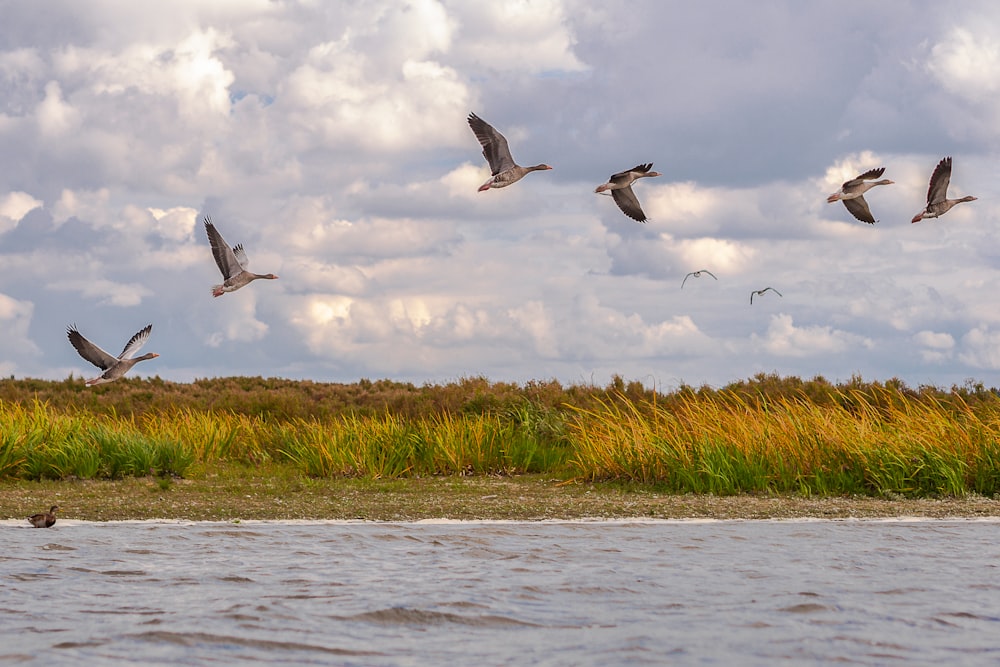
937, 193
696, 274
497, 153
852, 194
620, 185
761, 291
232, 262
113, 367
44, 519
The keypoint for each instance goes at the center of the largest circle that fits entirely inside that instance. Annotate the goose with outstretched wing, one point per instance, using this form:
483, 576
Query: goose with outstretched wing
232, 262
620, 185
937, 193
852, 194
497, 153
113, 367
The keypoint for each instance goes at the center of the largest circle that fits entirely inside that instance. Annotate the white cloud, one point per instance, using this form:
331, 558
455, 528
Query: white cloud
934, 340
537, 323
105, 292
187, 73
980, 348
15, 318
55, 117
784, 339
520, 35
177, 223
13, 207
84, 205
967, 62
331, 140
937, 346
379, 85
235, 320
720, 256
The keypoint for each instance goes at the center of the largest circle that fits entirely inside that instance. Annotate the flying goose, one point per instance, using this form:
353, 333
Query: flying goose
497, 153
232, 262
761, 291
937, 193
620, 185
696, 274
113, 367
852, 194
44, 519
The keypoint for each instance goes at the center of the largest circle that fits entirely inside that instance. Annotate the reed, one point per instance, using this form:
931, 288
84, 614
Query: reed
765, 436
874, 442
389, 446
39, 443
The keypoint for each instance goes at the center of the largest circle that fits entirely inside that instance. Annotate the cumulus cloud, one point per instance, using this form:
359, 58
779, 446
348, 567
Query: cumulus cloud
980, 348
331, 141
15, 316
105, 292
517, 36
937, 347
784, 339
967, 62
13, 207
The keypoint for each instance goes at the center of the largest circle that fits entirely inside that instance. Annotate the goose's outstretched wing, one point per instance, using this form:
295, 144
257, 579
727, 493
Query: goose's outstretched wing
89, 351
241, 256
940, 179
628, 203
495, 148
136, 342
225, 257
858, 207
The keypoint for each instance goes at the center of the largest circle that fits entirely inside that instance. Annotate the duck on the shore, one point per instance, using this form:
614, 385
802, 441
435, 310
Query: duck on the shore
620, 185
497, 153
852, 194
232, 263
937, 193
44, 519
113, 367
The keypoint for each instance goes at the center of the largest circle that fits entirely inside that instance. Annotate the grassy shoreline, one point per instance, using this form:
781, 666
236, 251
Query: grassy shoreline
233, 493
276, 449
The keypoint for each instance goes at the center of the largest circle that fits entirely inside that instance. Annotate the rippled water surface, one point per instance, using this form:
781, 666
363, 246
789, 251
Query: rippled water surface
586, 593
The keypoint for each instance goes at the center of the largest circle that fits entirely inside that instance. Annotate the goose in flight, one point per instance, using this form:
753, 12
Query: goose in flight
505, 171
852, 194
937, 193
620, 185
44, 519
761, 291
232, 262
113, 367
696, 274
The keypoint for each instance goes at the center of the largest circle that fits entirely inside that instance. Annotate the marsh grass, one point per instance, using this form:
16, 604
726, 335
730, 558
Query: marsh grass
767, 436
877, 442
389, 446
37, 442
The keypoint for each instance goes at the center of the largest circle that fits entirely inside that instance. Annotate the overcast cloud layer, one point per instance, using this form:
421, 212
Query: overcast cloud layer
330, 139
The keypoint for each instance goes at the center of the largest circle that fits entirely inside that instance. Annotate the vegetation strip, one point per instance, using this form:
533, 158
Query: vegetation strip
766, 437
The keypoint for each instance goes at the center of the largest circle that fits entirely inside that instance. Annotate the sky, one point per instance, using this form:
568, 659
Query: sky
330, 139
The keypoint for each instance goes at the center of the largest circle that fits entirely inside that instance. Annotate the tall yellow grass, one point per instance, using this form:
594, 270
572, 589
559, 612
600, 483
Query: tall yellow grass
816, 440
864, 442
37, 441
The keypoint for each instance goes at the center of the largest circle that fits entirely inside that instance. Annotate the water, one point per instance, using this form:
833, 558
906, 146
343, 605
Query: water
496, 593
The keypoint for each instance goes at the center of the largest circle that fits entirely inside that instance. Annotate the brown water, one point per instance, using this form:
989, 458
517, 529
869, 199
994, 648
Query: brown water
549, 593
